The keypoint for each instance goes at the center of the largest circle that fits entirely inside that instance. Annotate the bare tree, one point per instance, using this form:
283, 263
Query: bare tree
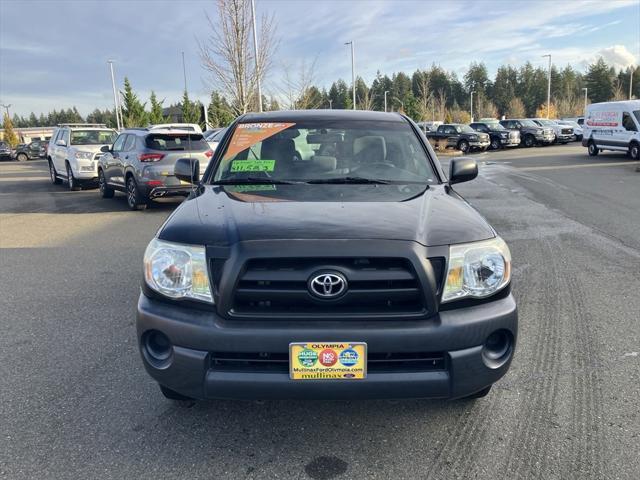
441, 104
296, 87
227, 53
425, 98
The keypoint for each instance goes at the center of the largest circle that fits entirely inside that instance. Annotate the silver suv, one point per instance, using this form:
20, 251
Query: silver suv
73, 152
140, 163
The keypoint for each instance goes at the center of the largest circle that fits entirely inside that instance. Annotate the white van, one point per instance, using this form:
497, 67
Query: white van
613, 126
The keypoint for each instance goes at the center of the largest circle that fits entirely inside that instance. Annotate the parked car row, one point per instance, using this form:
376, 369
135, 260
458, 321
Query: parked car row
136, 161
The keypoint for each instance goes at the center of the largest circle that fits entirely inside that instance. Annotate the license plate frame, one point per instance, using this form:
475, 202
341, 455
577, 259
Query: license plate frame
327, 361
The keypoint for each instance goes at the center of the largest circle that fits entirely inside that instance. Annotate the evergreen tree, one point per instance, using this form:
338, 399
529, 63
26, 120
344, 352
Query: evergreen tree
155, 114
190, 110
133, 113
219, 111
599, 81
9, 134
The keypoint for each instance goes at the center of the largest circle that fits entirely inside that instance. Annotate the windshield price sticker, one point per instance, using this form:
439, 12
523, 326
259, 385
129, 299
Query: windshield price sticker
328, 361
248, 134
252, 166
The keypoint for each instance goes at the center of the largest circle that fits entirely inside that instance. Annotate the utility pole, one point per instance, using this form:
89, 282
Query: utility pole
116, 102
548, 87
472, 92
385, 100
255, 51
353, 74
585, 101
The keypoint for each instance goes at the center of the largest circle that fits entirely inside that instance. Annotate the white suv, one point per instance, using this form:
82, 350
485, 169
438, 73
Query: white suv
74, 150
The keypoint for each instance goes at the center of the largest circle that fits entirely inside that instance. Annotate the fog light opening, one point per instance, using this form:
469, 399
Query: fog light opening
497, 348
157, 348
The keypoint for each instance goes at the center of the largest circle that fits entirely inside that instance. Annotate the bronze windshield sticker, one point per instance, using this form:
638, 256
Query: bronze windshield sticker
248, 134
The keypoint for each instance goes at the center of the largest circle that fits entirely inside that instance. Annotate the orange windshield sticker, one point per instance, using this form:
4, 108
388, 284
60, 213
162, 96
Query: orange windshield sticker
248, 134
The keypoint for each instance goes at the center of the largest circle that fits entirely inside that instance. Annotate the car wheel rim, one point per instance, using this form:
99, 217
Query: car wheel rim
131, 193
464, 147
52, 173
101, 182
70, 177
494, 144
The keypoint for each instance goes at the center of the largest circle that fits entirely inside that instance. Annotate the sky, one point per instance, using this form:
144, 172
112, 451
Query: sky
53, 54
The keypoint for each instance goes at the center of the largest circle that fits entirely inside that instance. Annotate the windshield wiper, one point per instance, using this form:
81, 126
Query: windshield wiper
354, 180
254, 181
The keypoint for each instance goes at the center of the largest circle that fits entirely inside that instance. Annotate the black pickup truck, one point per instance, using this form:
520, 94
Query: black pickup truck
31, 151
460, 136
359, 273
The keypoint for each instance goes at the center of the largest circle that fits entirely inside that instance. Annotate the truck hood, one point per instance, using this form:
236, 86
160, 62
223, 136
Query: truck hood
222, 216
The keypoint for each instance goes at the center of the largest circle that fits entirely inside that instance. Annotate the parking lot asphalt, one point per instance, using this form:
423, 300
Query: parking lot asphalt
75, 401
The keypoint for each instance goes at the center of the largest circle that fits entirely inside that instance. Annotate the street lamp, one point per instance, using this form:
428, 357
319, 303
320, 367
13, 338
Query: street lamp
631, 70
116, 102
255, 51
385, 100
353, 74
585, 101
472, 92
548, 86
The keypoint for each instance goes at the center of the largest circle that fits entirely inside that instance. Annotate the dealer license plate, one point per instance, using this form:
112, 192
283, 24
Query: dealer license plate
327, 360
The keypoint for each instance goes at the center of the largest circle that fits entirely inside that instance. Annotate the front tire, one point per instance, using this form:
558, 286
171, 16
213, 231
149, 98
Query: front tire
592, 148
495, 144
173, 395
529, 141
463, 146
134, 196
105, 190
53, 174
22, 157
634, 151
480, 394
74, 186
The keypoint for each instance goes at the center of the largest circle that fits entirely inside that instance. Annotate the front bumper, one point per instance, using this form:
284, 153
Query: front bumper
566, 138
480, 144
545, 138
196, 334
510, 142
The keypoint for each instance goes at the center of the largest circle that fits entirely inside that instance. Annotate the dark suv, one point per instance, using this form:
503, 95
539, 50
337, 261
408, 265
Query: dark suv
356, 273
140, 163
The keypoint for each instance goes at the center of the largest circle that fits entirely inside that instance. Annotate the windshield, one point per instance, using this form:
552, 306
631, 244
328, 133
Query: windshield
636, 113
465, 129
528, 123
325, 151
547, 123
495, 125
92, 137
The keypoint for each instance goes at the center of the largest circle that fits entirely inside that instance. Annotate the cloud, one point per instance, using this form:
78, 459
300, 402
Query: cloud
618, 56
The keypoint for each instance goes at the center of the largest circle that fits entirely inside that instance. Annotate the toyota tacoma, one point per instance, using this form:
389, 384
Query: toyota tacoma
357, 273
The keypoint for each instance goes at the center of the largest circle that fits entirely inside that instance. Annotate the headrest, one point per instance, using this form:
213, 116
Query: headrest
324, 162
324, 137
370, 142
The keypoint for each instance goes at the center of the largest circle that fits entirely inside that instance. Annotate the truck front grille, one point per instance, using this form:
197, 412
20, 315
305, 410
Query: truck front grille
385, 362
377, 287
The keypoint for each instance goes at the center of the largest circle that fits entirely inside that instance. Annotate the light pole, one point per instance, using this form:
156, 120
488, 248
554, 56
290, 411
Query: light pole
353, 74
115, 97
255, 51
632, 69
6, 107
585, 101
472, 92
548, 86
385, 100
184, 72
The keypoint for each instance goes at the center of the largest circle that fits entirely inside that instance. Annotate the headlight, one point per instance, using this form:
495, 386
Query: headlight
84, 155
177, 270
504, 135
473, 137
477, 269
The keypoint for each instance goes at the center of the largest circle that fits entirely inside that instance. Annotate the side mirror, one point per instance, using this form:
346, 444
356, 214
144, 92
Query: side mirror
105, 148
61, 143
187, 170
462, 170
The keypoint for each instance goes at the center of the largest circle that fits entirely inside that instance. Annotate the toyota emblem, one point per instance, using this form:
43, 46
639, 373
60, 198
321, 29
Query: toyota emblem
328, 285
